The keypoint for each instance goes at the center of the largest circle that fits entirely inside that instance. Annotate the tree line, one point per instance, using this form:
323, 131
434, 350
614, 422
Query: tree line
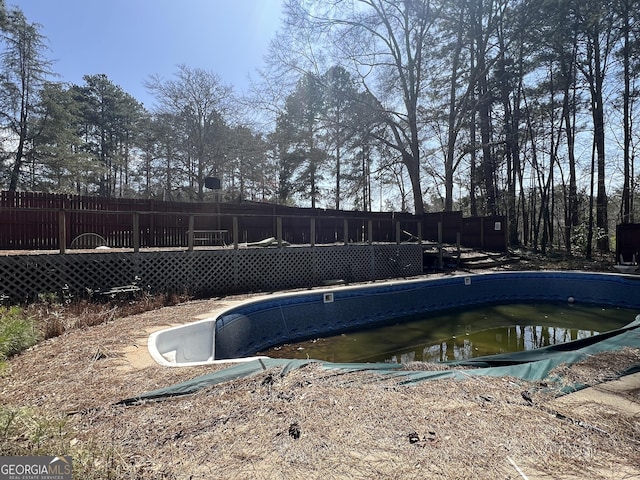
522, 108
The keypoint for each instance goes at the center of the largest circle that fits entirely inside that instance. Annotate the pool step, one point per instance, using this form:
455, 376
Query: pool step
479, 260
465, 258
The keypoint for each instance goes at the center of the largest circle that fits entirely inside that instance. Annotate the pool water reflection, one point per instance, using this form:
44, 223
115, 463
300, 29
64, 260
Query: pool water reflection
463, 334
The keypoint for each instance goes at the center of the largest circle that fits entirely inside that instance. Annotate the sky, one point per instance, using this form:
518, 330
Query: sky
130, 40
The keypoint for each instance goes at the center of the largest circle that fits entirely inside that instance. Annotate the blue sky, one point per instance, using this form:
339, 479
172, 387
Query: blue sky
129, 40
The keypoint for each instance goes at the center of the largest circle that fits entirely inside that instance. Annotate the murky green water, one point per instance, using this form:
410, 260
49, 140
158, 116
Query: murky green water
463, 334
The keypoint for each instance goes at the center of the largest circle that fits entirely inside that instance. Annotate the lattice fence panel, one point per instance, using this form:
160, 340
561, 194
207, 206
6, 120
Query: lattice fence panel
274, 269
24, 277
191, 272
350, 263
393, 261
214, 272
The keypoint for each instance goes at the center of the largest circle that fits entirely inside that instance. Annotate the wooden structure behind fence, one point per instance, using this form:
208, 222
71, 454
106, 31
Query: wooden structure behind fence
628, 242
38, 221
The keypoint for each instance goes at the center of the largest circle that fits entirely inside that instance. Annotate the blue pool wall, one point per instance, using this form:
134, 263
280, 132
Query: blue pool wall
256, 326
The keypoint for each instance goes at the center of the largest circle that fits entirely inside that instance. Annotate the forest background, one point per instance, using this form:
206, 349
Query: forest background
523, 108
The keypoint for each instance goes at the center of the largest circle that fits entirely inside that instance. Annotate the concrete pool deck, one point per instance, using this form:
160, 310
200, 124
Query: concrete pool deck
619, 395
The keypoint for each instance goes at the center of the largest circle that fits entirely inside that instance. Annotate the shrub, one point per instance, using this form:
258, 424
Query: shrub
17, 331
579, 237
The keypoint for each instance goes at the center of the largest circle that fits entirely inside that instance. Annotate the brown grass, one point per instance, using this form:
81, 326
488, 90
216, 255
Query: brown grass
55, 318
351, 425
600, 368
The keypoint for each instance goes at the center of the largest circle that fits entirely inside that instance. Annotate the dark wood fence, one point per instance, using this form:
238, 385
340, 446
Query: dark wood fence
37, 221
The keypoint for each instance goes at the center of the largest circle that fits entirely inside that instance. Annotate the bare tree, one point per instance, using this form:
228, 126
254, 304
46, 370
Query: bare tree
384, 43
199, 104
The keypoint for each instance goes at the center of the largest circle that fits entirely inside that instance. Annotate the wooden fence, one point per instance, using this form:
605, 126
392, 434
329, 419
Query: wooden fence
37, 221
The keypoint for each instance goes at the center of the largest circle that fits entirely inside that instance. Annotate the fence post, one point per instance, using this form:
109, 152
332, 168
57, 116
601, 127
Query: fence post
136, 232
190, 232
279, 230
440, 262
235, 232
62, 231
312, 238
505, 229
420, 232
370, 232
345, 230
398, 232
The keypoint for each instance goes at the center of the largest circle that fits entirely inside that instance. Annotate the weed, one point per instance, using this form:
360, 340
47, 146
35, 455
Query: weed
18, 331
24, 431
23, 327
54, 316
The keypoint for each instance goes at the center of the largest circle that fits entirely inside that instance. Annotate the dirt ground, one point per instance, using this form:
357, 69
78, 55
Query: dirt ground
59, 397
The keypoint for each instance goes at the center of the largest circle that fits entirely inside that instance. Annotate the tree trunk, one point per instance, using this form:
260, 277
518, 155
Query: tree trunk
598, 122
452, 124
626, 211
590, 229
338, 160
17, 166
487, 157
484, 111
473, 201
413, 166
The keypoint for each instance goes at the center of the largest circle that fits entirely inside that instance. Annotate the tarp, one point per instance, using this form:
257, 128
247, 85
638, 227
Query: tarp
529, 365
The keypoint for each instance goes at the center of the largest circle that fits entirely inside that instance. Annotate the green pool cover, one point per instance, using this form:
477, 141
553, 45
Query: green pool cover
532, 365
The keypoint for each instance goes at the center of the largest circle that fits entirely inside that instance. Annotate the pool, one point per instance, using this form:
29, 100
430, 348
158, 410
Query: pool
463, 334
243, 330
